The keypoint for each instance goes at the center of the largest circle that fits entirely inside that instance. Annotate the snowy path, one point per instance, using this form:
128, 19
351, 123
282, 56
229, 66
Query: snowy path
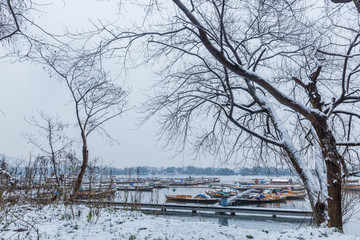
60, 222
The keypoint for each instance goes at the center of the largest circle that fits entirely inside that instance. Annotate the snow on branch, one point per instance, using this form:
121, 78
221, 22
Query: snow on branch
6, 173
348, 143
282, 98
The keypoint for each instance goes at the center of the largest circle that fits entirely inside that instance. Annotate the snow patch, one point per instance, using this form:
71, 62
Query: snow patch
81, 222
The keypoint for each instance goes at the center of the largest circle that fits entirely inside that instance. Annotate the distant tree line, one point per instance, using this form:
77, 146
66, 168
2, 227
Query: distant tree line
146, 170
191, 170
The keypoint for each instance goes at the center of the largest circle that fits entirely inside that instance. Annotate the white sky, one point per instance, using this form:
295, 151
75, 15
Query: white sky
27, 89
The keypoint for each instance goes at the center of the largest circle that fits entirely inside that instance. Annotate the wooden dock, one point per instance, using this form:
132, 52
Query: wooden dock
197, 208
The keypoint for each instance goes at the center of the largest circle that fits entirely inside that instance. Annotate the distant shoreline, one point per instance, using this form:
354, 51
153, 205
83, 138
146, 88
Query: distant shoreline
198, 171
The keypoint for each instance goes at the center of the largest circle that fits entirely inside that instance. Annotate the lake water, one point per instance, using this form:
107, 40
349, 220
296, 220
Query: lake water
157, 196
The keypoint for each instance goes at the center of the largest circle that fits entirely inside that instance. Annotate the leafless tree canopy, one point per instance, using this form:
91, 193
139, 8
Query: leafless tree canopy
51, 142
96, 97
267, 78
12, 17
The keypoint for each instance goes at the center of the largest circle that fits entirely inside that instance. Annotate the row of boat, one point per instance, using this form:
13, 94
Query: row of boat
243, 192
252, 196
150, 184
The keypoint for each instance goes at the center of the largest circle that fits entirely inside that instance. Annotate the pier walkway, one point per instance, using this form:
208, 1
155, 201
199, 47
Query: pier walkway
214, 209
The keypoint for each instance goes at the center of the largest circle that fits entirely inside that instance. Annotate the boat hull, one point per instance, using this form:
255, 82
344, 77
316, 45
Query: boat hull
142, 189
254, 201
191, 200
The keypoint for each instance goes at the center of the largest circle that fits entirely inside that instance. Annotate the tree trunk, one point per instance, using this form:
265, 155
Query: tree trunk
317, 206
55, 171
305, 175
333, 168
334, 190
84, 165
319, 212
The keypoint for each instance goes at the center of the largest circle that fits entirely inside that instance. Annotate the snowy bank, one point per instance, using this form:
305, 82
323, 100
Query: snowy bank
80, 222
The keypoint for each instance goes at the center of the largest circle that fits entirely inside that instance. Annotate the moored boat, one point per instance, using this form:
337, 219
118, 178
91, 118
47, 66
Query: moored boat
293, 195
288, 193
243, 187
135, 188
190, 199
260, 199
220, 193
252, 196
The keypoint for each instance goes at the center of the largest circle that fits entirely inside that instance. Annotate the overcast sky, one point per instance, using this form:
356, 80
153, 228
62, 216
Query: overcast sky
26, 90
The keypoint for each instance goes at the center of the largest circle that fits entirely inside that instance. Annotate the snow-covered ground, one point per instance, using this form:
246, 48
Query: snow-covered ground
80, 222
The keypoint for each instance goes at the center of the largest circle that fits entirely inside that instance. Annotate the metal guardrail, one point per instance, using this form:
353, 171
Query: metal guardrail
258, 211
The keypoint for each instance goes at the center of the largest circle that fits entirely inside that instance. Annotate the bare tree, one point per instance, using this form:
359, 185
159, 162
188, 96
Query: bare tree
55, 148
272, 82
97, 99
